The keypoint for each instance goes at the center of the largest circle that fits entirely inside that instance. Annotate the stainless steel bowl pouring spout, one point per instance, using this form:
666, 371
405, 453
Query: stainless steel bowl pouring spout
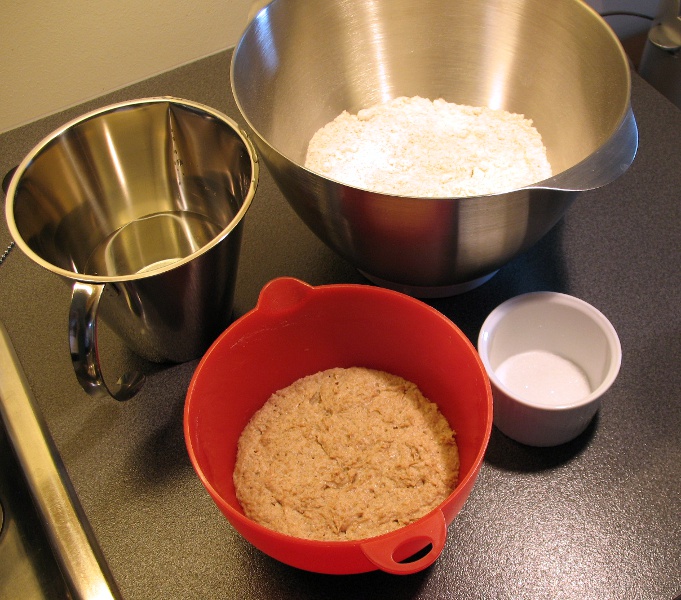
300, 63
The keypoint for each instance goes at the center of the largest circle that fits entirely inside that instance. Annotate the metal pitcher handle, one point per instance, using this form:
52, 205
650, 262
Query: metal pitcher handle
83, 345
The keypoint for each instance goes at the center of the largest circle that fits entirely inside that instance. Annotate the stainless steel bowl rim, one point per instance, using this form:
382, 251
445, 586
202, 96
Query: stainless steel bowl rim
563, 181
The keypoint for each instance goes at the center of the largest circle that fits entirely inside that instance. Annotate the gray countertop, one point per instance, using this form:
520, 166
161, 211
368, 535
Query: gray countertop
596, 518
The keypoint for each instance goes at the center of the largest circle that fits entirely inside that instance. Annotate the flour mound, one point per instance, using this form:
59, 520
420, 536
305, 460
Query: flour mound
423, 148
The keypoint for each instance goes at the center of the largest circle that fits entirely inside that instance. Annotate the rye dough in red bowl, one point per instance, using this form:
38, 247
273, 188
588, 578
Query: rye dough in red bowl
297, 330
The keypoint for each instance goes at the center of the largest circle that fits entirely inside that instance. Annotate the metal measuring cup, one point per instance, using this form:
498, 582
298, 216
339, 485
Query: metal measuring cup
140, 205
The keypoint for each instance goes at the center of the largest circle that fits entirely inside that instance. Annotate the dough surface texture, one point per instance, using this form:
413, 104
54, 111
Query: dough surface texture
345, 454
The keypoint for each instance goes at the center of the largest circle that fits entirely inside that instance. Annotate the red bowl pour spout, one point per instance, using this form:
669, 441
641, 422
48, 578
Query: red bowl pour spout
282, 295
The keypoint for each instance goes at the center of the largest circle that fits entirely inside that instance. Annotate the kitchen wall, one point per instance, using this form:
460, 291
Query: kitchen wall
58, 53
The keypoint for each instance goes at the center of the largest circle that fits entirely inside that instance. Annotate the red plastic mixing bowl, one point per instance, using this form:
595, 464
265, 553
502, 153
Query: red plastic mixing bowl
297, 330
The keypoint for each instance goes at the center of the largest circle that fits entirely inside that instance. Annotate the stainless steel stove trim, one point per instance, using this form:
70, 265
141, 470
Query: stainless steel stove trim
73, 543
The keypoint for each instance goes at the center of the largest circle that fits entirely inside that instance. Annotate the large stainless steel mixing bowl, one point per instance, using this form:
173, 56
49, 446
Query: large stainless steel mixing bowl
300, 63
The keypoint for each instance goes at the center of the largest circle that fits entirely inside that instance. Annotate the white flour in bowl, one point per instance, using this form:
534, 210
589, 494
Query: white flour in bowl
423, 148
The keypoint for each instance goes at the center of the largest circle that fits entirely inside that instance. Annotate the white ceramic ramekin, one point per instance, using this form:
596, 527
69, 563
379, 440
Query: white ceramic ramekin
557, 325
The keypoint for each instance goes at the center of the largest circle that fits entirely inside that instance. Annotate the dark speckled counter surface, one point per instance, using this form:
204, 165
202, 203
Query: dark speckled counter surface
598, 518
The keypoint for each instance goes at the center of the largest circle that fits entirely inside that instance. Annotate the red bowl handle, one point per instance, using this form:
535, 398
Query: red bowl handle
382, 551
